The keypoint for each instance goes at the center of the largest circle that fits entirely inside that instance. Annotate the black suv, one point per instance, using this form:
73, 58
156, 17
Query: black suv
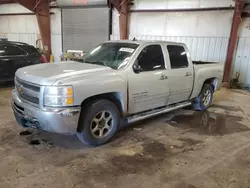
14, 55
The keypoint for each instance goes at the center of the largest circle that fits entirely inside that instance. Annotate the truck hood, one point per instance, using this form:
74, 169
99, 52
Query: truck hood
49, 73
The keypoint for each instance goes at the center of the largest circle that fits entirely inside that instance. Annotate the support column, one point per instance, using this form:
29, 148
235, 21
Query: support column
43, 19
41, 8
233, 39
123, 19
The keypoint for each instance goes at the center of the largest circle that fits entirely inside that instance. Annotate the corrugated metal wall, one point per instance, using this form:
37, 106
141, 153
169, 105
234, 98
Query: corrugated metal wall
172, 4
201, 48
202, 31
241, 62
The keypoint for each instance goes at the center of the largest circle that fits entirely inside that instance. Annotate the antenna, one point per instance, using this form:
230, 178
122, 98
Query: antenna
134, 39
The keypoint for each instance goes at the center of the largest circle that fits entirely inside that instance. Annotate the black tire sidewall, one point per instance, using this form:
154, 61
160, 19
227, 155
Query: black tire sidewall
85, 122
205, 88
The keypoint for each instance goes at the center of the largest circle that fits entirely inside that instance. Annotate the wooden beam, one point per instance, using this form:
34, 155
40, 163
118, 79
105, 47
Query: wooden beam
239, 5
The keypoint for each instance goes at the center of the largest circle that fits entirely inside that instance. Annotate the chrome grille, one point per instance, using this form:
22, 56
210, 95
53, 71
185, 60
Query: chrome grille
27, 91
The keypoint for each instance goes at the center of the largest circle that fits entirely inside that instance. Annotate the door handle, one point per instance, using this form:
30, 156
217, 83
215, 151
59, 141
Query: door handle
163, 77
188, 74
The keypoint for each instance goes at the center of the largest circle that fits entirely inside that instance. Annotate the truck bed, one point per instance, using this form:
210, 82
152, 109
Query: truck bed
206, 70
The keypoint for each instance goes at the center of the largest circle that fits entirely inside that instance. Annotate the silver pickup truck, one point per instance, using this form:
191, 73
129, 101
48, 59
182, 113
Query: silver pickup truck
119, 80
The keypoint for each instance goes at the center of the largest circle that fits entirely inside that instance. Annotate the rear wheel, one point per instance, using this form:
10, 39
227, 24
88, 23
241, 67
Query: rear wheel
99, 123
205, 98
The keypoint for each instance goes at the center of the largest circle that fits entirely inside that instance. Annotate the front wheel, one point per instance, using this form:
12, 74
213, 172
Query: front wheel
205, 98
99, 123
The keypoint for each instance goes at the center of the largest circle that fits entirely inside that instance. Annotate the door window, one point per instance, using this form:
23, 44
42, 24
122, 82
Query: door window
178, 56
151, 58
13, 50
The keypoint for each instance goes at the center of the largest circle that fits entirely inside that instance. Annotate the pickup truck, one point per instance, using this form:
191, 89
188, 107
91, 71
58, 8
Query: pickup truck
118, 81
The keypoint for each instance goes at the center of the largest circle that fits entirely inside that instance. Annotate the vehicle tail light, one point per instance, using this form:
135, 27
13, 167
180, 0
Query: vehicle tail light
43, 59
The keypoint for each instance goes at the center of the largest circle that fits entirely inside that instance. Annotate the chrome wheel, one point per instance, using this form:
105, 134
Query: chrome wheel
102, 124
206, 98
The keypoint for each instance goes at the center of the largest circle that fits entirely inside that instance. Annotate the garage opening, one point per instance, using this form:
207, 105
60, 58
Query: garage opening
84, 28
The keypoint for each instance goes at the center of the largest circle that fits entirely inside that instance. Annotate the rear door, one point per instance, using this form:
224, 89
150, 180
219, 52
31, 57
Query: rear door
148, 89
180, 75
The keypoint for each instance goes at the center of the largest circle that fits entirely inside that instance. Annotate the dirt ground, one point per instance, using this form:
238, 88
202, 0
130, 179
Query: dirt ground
183, 149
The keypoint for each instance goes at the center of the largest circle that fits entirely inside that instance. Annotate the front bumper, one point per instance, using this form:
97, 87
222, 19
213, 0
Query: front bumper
57, 120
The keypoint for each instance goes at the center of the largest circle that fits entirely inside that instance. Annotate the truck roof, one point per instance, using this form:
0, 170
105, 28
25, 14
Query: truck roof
139, 42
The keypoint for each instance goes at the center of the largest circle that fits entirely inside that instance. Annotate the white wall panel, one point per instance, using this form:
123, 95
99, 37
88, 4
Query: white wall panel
56, 24
12, 8
56, 33
4, 26
31, 24
144, 24
201, 48
176, 4
181, 23
115, 23
208, 23
241, 61
24, 28
203, 32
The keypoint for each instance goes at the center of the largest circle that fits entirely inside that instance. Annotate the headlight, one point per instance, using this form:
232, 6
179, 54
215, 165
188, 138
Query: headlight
58, 96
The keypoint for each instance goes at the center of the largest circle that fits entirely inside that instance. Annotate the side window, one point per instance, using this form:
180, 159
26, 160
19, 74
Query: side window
178, 56
13, 50
151, 58
30, 49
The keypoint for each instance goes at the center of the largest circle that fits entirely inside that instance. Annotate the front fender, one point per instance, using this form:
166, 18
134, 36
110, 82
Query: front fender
86, 88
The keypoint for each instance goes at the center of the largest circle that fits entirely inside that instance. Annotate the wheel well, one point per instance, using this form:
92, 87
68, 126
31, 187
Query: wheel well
212, 81
113, 97
109, 96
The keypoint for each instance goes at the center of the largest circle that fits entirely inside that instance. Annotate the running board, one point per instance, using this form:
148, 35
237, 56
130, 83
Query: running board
145, 115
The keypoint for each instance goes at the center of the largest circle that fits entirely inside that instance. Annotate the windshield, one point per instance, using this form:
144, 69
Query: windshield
114, 55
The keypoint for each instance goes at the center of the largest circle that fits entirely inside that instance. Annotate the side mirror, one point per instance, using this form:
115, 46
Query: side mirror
137, 68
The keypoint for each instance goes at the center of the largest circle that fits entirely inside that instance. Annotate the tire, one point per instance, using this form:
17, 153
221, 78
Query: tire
199, 103
99, 123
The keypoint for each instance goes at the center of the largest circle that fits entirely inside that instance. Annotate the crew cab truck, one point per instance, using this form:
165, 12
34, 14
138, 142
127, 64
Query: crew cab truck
118, 80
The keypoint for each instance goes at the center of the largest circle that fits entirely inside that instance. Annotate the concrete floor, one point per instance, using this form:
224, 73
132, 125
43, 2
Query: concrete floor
184, 149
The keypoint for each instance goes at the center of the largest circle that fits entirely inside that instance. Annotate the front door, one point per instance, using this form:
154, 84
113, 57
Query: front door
180, 75
148, 87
